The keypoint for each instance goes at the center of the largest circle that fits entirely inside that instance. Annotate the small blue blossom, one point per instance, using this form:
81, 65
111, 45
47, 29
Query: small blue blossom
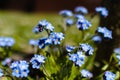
20, 69
7, 61
33, 42
102, 10
109, 75
1, 73
105, 32
6, 41
87, 49
66, 13
70, 48
85, 73
37, 61
56, 37
83, 24
97, 39
69, 22
42, 43
78, 16
43, 24
117, 50
78, 58
117, 54
81, 9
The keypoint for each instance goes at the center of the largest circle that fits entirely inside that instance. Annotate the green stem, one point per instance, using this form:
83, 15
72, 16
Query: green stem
46, 72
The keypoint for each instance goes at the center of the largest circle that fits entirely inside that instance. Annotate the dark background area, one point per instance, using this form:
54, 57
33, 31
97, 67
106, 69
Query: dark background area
46, 5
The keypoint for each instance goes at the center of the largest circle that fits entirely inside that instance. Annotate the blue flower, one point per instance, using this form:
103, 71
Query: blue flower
37, 61
66, 13
78, 16
81, 9
87, 49
97, 39
6, 41
78, 59
7, 61
109, 75
43, 24
85, 73
20, 68
1, 73
42, 43
69, 22
33, 42
105, 32
83, 24
102, 10
117, 54
56, 37
117, 50
70, 48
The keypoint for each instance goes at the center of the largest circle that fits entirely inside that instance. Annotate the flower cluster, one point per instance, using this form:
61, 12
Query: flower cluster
20, 68
109, 75
6, 41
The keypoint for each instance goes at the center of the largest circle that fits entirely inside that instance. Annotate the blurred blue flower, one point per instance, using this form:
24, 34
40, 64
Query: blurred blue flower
6, 61
37, 61
109, 75
70, 48
42, 43
69, 22
117, 54
56, 37
81, 9
33, 42
117, 50
66, 13
6, 41
85, 73
20, 68
78, 16
43, 24
102, 10
1, 73
83, 24
78, 58
87, 49
105, 32
97, 39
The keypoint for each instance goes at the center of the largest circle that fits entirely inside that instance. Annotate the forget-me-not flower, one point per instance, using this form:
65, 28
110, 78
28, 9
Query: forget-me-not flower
109, 75
97, 39
85, 73
1, 73
102, 10
83, 24
87, 49
20, 68
66, 13
81, 9
37, 61
70, 48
